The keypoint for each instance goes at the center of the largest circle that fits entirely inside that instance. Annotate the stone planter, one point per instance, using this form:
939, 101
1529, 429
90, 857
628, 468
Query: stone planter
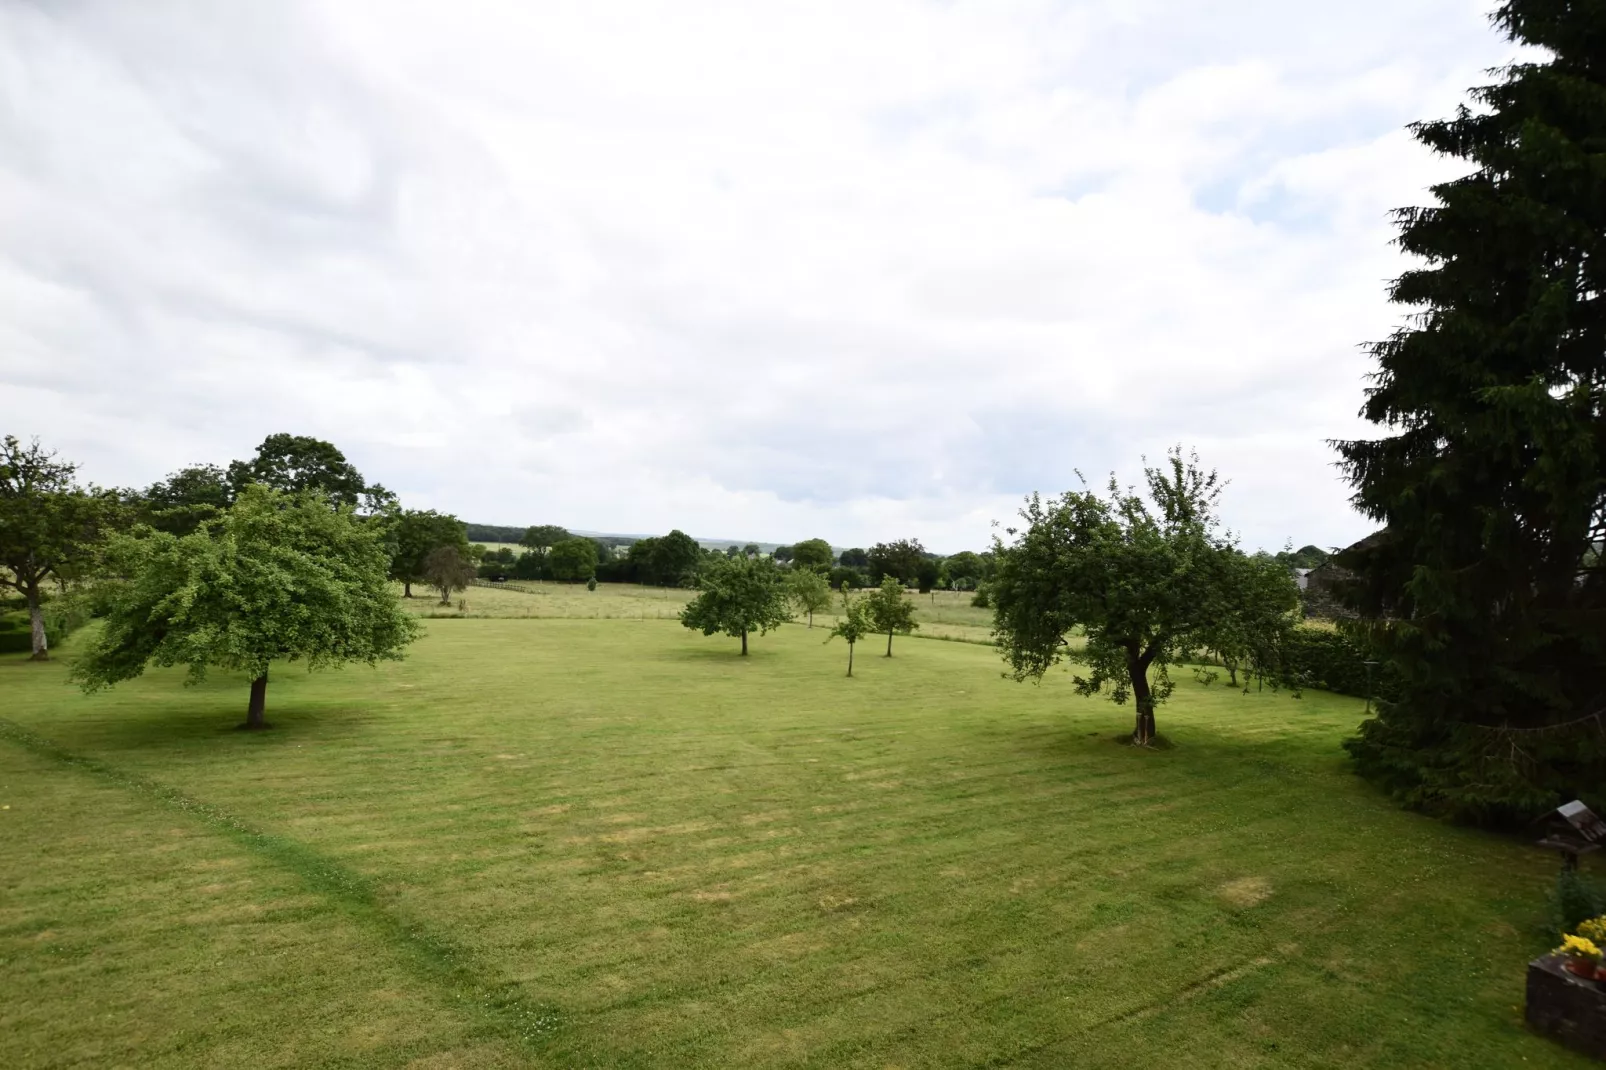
1566, 1007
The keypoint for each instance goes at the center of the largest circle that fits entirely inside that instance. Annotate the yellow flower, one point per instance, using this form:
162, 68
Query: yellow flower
1580, 947
1593, 929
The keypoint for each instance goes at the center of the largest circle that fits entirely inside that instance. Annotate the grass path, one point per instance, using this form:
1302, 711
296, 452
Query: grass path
614, 843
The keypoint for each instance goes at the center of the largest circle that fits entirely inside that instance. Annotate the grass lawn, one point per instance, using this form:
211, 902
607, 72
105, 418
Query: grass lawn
613, 842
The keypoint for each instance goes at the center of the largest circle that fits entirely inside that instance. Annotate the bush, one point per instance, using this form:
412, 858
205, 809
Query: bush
63, 616
843, 574
982, 599
1574, 900
1332, 661
591, 584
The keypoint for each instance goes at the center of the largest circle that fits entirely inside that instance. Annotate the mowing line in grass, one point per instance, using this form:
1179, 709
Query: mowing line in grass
433, 958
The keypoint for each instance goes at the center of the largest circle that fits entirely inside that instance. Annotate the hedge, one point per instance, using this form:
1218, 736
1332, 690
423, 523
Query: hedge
1329, 660
62, 618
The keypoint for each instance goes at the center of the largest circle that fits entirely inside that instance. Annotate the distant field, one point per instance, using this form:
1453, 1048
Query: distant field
949, 616
614, 843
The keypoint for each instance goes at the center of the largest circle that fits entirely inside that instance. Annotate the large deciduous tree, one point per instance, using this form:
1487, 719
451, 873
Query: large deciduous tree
890, 611
296, 463
540, 538
187, 498
740, 595
1487, 588
278, 577
813, 554
573, 560
416, 533
900, 560
48, 525
675, 559
1143, 579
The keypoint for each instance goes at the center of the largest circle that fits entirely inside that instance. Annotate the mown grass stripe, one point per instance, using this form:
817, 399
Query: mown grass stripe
432, 957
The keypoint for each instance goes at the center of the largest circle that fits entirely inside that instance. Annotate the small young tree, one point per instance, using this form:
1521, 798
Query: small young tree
1144, 583
739, 596
809, 591
48, 525
277, 577
890, 611
447, 570
854, 624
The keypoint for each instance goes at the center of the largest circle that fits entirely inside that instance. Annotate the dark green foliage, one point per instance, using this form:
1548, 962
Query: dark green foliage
1252, 612
591, 584
413, 534
963, 571
186, 498
1304, 557
814, 554
843, 575
49, 526
739, 595
782, 554
983, 598
900, 560
1334, 661
573, 560
926, 574
1575, 898
1487, 587
854, 558
62, 617
494, 533
674, 559
295, 463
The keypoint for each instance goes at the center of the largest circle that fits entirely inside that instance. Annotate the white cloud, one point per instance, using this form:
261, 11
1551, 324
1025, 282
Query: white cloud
768, 271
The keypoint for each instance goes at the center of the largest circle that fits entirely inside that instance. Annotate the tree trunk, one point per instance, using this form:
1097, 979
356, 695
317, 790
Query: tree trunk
744, 642
1138, 671
850, 659
811, 618
36, 618
407, 588
889, 642
257, 711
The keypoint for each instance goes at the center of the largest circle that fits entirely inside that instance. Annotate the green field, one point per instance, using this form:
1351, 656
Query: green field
613, 842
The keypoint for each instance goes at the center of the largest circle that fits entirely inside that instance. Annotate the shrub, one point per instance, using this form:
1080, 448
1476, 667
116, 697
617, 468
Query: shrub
982, 599
1575, 900
591, 584
1330, 660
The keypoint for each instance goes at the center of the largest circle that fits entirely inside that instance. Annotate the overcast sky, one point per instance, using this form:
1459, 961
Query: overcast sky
859, 271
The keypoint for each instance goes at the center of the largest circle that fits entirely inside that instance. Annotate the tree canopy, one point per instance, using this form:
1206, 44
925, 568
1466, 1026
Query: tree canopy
854, 624
675, 559
1143, 579
295, 463
278, 577
900, 560
573, 559
416, 533
186, 498
890, 610
448, 569
808, 591
1486, 588
48, 524
738, 596
813, 554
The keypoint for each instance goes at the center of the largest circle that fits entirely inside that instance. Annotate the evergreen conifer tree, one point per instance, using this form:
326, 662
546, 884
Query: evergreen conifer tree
1486, 586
